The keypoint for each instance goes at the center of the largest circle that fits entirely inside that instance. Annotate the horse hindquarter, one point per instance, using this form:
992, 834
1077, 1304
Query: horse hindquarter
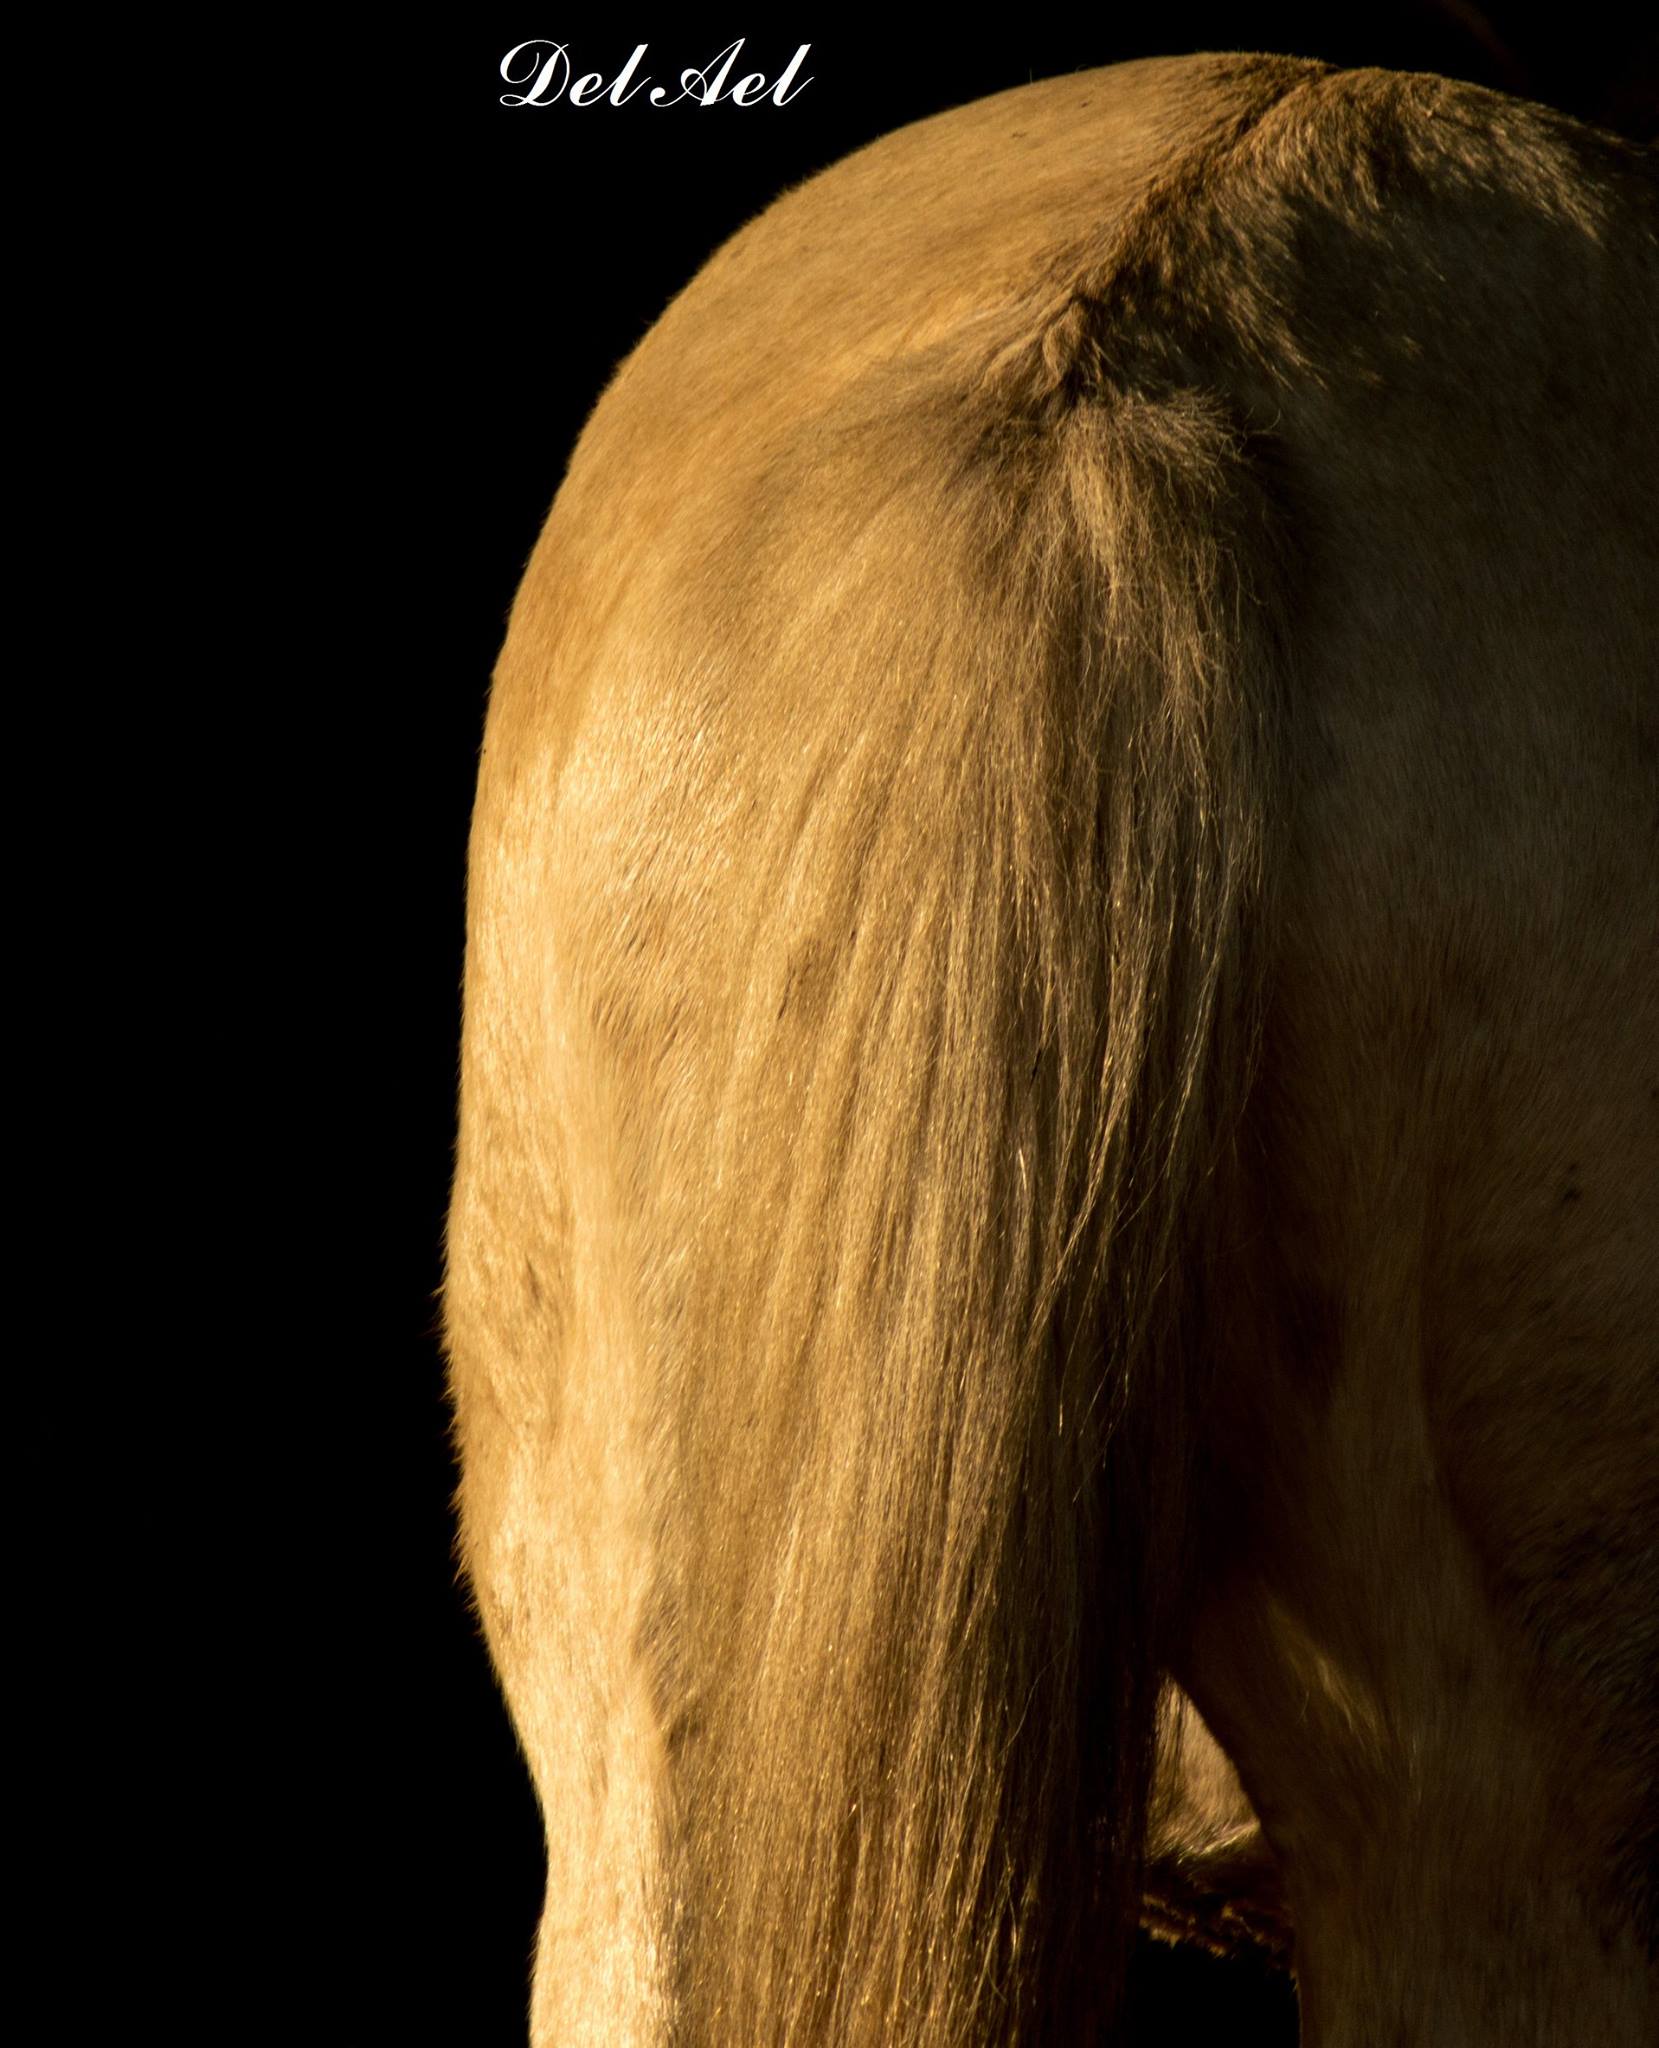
1062, 898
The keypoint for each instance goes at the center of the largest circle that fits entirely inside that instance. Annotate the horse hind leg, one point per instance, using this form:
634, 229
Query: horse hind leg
1210, 1878
555, 1544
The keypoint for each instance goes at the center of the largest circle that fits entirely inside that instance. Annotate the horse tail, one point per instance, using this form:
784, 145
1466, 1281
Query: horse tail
937, 1383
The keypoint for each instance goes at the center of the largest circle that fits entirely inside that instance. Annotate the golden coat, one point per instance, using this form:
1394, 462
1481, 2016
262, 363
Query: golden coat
1059, 1088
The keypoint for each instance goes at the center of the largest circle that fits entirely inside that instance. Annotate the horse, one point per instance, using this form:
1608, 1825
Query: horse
1050, 1289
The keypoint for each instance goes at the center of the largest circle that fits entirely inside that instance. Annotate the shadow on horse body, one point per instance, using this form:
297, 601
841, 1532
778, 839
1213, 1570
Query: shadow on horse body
1059, 1088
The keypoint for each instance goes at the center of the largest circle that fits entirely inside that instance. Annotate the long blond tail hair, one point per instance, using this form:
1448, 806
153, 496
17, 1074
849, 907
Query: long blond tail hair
936, 1412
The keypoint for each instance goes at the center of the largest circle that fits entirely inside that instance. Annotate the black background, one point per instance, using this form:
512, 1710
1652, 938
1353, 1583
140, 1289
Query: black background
464, 279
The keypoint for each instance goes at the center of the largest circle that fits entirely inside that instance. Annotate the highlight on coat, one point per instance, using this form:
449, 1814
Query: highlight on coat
1051, 1292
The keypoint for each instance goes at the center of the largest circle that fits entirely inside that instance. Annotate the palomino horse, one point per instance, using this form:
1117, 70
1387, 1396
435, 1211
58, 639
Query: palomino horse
1059, 1091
